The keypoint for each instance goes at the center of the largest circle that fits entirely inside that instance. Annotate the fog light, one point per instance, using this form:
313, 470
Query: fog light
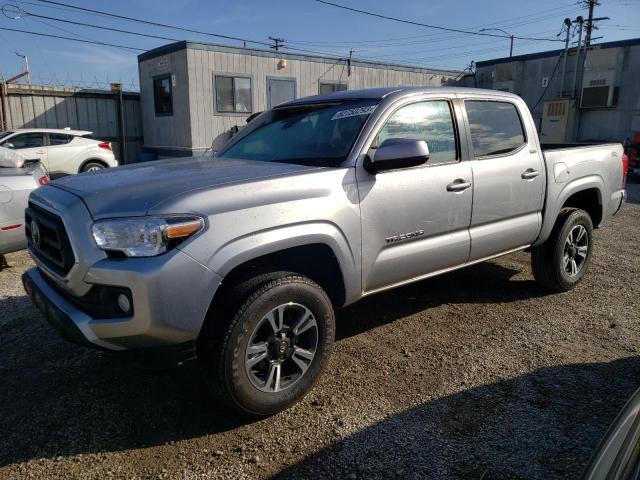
124, 303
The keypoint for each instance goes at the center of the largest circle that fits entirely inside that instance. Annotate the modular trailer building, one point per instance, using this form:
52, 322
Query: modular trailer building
194, 93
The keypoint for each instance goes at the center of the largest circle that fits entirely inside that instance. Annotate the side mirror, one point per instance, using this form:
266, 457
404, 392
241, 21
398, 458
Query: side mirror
397, 153
8, 145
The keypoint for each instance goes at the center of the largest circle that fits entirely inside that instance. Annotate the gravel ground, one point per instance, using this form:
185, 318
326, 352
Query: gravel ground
475, 374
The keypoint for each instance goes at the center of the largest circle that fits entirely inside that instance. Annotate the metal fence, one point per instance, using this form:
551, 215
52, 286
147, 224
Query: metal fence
44, 106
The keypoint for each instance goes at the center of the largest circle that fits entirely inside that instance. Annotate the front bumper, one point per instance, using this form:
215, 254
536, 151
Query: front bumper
171, 295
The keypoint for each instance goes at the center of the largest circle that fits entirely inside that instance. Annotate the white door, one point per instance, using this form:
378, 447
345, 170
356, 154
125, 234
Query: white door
280, 90
29, 144
62, 151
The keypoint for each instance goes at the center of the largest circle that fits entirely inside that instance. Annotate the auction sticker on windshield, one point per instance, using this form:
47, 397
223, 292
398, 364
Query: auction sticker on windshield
354, 112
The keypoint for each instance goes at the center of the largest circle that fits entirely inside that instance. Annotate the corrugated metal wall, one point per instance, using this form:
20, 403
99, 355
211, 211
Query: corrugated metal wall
60, 107
614, 123
195, 124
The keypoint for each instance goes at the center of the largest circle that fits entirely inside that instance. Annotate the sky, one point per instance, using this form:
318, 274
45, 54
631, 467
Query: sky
303, 24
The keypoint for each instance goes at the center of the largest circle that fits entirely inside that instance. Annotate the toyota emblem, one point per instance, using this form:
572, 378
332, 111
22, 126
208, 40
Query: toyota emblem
35, 233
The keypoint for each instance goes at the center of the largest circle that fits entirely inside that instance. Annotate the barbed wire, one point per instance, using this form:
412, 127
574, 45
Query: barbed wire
93, 83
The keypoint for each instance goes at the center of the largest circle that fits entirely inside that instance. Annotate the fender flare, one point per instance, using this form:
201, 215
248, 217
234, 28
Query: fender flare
554, 205
258, 244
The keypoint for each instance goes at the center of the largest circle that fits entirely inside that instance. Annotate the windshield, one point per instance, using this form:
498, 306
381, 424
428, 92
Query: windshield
320, 134
5, 134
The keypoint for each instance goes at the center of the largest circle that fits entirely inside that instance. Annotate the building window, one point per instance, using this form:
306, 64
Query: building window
331, 87
233, 94
163, 95
495, 127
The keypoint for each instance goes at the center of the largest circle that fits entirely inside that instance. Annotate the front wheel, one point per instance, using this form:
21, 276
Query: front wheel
560, 263
274, 348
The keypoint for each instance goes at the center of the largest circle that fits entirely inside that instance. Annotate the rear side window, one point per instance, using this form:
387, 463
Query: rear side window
495, 127
430, 121
59, 139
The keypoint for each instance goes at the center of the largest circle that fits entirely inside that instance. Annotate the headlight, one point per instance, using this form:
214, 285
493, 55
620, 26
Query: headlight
145, 236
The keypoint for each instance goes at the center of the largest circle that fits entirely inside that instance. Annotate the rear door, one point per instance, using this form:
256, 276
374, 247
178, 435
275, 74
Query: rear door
415, 221
280, 90
31, 145
508, 177
62, 151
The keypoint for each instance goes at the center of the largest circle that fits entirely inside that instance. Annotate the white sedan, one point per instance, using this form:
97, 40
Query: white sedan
61, 151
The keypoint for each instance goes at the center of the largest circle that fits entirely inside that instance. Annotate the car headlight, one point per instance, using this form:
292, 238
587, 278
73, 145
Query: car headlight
145, 236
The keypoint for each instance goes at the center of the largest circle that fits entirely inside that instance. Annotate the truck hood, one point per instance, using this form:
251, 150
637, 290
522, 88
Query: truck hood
133, 190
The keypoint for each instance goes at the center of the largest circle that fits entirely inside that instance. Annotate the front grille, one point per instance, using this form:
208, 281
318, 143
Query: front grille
48, 240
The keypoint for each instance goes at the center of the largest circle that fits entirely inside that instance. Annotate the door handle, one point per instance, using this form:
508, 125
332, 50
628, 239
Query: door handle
530, 174
40, 152
458, 185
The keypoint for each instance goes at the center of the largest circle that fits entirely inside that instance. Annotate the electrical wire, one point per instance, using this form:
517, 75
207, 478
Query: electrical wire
94, 42
411, 22
155, 24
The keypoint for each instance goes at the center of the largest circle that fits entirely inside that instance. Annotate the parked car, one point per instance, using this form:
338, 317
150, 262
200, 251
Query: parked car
17, 181
61, 151
618, 455
315, 204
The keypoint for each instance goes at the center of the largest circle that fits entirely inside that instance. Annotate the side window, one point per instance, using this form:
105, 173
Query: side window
429, 121
495, 127
59, 139
27, 140
163, 96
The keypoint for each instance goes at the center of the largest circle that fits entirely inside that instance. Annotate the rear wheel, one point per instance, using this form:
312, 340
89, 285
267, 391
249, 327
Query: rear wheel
560, 263
274, 347
92, 167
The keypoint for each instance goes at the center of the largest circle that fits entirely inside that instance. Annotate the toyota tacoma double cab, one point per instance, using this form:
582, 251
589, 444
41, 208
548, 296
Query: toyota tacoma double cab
240, 259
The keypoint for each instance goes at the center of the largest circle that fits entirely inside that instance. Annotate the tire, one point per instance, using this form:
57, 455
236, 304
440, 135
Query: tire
244, 355
92, 167
555, 264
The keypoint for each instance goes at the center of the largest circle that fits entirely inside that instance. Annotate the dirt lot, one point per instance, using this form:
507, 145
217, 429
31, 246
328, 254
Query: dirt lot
475, 374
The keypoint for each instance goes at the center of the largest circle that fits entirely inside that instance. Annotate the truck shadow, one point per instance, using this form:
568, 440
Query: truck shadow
557, 415
483, 283
58, 399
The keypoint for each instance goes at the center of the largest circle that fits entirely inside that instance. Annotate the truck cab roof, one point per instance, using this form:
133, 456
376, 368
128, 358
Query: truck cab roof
384, 93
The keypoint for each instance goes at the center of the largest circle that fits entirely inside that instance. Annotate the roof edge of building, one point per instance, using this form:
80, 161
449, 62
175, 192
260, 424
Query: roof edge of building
553, 53
195, 45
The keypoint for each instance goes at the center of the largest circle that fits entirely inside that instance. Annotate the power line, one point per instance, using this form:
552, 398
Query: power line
155, 24
411, 22
95, 42
83, 24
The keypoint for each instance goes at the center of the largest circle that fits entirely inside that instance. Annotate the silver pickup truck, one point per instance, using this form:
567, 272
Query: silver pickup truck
241, 258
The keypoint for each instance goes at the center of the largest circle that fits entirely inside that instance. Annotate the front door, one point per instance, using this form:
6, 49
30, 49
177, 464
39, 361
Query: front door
30, 145
280, 90
508, 178
413, 221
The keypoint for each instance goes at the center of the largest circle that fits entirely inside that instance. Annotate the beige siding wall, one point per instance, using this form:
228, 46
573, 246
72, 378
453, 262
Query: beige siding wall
172, 131
195, 124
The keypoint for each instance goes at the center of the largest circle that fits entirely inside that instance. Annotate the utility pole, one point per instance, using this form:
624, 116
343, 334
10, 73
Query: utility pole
510, 36
587, 38
580, 22
26, 66
567, 27
349, 63
277, 43
590, 23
